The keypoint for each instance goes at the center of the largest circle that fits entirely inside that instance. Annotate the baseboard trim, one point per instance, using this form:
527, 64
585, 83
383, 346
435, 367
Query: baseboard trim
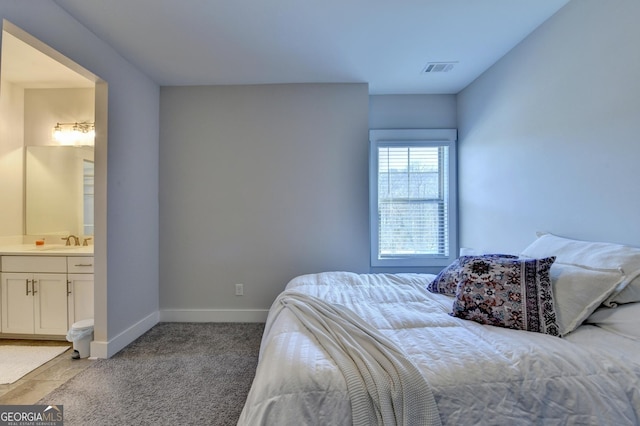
101, 349
213, 315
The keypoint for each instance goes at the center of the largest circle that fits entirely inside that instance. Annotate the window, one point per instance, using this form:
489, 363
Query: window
88, 176
413, 197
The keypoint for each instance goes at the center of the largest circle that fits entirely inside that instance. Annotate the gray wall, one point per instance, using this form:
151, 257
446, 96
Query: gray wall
412, 112
127, 301
549, 135
259, 184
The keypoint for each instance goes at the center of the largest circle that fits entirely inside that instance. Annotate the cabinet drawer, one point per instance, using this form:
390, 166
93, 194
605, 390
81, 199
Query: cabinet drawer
80, 265
34, 264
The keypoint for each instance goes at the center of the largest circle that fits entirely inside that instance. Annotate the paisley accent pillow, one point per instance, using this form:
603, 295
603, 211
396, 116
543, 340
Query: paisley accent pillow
447, 280
510, 293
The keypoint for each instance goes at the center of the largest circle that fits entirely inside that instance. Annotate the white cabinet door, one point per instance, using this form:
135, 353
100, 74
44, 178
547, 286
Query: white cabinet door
17, 303
34, 303
80, 295
50, 303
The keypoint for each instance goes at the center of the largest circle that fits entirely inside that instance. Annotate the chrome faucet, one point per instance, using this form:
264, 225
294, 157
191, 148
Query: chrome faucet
76, 240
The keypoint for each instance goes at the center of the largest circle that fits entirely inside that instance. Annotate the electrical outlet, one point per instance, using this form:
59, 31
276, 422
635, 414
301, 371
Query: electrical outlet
239, 289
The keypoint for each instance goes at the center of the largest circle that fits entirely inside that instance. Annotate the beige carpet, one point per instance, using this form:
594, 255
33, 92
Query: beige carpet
16, 361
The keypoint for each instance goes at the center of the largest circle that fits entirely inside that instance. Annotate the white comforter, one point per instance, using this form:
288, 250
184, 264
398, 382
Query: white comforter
478, 374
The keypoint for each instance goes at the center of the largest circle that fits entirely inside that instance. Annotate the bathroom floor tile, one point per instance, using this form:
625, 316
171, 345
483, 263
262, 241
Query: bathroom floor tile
29, 392
39, 382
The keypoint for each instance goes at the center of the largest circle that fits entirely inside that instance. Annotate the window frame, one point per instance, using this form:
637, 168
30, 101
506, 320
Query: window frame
412, 137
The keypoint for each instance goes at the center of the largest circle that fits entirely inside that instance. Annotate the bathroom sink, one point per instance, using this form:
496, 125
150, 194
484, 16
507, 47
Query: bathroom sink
61, 247
50, 247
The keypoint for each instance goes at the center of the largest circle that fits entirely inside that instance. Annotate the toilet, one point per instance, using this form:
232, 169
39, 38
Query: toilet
81, 334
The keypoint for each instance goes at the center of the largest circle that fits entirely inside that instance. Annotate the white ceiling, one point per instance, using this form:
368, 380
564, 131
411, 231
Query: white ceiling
381, 42
27, 67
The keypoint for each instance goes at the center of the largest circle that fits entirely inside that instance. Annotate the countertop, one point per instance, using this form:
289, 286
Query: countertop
45, 250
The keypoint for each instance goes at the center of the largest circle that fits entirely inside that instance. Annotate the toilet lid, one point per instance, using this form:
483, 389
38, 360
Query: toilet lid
86, 323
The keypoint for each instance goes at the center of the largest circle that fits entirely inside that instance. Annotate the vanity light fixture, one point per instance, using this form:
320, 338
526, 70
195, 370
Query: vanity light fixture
77, 133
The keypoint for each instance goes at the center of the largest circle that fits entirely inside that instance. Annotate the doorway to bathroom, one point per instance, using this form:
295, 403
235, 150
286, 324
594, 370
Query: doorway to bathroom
45, 95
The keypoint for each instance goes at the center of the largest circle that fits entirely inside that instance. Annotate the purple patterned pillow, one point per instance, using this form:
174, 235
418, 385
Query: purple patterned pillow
447, 280
510, 293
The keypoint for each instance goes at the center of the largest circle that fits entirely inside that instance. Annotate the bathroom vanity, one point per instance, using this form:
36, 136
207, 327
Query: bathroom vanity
44, 289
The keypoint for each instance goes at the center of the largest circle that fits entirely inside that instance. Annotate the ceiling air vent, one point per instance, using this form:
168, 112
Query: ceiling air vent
434, 67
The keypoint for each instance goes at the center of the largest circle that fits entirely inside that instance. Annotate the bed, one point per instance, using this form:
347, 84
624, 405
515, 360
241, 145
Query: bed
579, 366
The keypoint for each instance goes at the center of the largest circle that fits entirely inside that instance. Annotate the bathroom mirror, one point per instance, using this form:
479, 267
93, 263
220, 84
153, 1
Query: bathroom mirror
47, 185
59, 190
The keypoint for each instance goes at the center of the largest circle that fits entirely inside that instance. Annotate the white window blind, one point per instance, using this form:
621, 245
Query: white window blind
412, 199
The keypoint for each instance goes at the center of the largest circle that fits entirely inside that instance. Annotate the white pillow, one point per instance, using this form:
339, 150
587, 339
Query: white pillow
629, 294
623, 320
595, 255
578, 291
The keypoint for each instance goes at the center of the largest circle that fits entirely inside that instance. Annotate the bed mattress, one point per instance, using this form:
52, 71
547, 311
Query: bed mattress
478, 374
